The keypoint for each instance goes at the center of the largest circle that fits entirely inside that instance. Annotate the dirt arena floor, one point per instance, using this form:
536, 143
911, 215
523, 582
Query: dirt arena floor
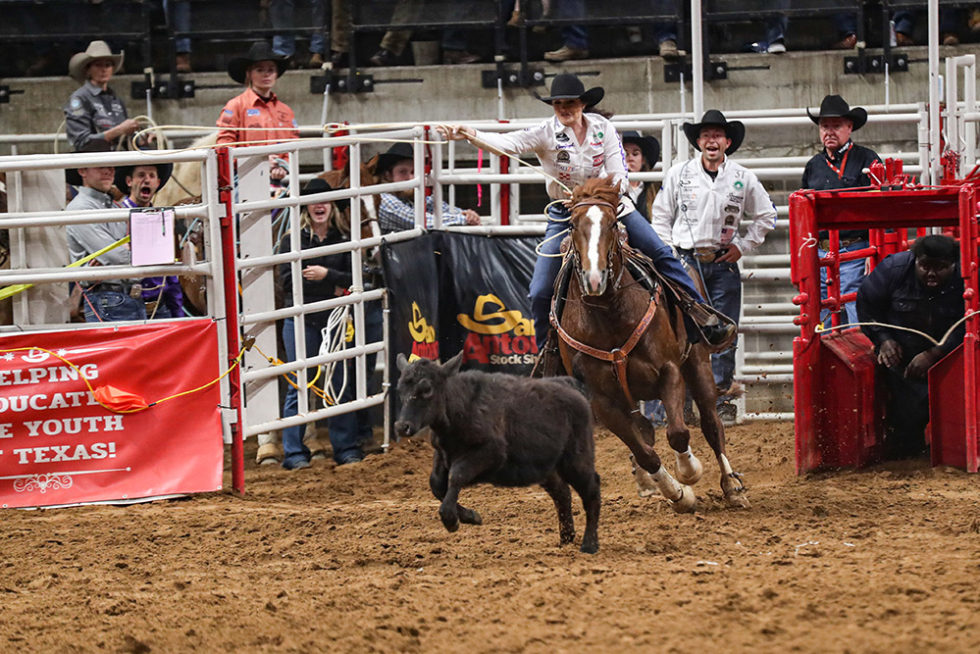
354, 559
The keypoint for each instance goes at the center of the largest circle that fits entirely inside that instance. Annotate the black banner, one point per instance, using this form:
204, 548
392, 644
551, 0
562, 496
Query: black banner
450, 292
484, 309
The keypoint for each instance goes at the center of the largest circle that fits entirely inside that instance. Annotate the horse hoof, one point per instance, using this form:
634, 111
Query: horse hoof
737, 499
589, 547
689, 468
645, 485
687, 501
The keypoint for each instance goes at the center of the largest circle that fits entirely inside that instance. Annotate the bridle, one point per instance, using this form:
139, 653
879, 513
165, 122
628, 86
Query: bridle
617, 356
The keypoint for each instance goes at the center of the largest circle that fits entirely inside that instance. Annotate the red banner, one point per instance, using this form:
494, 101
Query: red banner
59, 446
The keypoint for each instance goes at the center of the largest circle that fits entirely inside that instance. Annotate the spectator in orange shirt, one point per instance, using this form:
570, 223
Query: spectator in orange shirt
262, 115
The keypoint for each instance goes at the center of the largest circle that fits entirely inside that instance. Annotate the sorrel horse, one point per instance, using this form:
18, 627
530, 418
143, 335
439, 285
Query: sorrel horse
628, 345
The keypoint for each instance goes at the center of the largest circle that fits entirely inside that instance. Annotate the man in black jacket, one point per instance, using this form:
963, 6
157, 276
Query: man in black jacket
922, 290
841, 165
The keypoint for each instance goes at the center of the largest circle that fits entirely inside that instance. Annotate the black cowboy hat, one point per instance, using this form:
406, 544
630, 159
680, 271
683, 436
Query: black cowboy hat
260, 51
164, 170
649, 146
834, 106
394, 154
320, 185
734, 129
94, 145
567, 86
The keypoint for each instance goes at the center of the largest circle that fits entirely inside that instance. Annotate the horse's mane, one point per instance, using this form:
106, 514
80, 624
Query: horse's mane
600, 188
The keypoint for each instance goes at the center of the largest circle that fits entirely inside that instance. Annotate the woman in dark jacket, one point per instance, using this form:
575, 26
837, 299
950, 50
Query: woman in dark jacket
325, 277
642, 154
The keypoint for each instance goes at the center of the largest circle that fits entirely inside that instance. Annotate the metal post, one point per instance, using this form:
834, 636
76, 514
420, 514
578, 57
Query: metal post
230, 284
935, 152
697, 59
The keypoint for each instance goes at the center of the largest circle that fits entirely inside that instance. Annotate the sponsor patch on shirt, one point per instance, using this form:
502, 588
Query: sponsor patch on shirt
228, 112
598, 159
75, 103
561, 137
294, 123
252, 112
563, 156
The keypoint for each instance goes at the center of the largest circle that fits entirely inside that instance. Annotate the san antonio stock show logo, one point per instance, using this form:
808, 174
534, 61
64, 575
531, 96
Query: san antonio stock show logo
497, 336
424, 345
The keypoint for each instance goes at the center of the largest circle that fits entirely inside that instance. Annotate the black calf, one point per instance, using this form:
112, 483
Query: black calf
503, 430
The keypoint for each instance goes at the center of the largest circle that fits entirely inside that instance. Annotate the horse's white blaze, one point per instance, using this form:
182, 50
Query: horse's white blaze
368, 203
726, 467
595, 216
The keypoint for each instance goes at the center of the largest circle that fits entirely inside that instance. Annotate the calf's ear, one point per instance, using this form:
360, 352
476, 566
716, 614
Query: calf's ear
453, 365
401, 361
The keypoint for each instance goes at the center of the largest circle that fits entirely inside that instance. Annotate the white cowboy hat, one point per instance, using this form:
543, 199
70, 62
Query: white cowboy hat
79, 61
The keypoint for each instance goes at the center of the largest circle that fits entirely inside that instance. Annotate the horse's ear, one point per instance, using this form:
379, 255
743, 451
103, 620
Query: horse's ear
453, 365
372, 165
401, 361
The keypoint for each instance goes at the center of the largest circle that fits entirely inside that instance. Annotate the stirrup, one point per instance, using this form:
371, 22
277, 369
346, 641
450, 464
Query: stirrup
549, 359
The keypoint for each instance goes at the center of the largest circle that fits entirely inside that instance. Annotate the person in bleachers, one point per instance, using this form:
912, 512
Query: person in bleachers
112, 299
94, 111
178, 14
397, 210
163, 295
841, 164
921, 289
257, 114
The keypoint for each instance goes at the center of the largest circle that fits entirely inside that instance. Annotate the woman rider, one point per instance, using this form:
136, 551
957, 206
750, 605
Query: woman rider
578, 143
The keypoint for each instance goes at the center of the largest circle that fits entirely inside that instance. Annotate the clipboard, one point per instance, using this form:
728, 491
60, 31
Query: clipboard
151, 231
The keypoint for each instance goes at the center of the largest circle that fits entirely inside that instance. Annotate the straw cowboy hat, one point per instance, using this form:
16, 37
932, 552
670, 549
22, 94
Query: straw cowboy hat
79, 61
567, 86
260, 51
649, 146
164, 170
95, 145
394, 154
734, 129
834, 106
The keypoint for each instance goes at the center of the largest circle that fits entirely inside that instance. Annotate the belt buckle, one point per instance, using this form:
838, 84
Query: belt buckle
705, 255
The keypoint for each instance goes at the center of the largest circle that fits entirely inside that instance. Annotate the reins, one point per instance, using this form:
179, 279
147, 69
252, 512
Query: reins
617, 356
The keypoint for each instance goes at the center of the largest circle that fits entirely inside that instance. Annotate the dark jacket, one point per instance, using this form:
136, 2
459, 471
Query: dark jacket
645, 200
819, 176
90, 113
892, 294
338, 271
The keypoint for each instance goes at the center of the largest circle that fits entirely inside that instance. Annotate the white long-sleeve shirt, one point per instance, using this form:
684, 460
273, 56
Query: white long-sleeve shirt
694, 211
562, 157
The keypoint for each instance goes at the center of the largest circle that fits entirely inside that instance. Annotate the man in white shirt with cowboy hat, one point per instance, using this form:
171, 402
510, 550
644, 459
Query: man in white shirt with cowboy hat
699, 210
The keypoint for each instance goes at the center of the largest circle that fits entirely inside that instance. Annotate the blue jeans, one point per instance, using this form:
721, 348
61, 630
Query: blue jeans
179, 20
574, 36
846, 23
281, 13
641, 236
110, 306
851, 276
723, 283
347, 431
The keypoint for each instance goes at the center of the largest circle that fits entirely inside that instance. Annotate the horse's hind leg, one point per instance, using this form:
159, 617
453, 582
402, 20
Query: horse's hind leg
697, 370
562, 497
673, 392
615, 415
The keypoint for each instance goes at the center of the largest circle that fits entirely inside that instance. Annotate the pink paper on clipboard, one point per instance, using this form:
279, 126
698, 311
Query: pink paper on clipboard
152, 236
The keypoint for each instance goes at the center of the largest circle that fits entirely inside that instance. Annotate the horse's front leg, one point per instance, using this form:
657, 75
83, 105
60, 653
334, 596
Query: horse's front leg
615, 414
673, 392
697, 371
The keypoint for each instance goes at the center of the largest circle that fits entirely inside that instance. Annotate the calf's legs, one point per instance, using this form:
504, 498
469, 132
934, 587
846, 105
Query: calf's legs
439, 483
562, 497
